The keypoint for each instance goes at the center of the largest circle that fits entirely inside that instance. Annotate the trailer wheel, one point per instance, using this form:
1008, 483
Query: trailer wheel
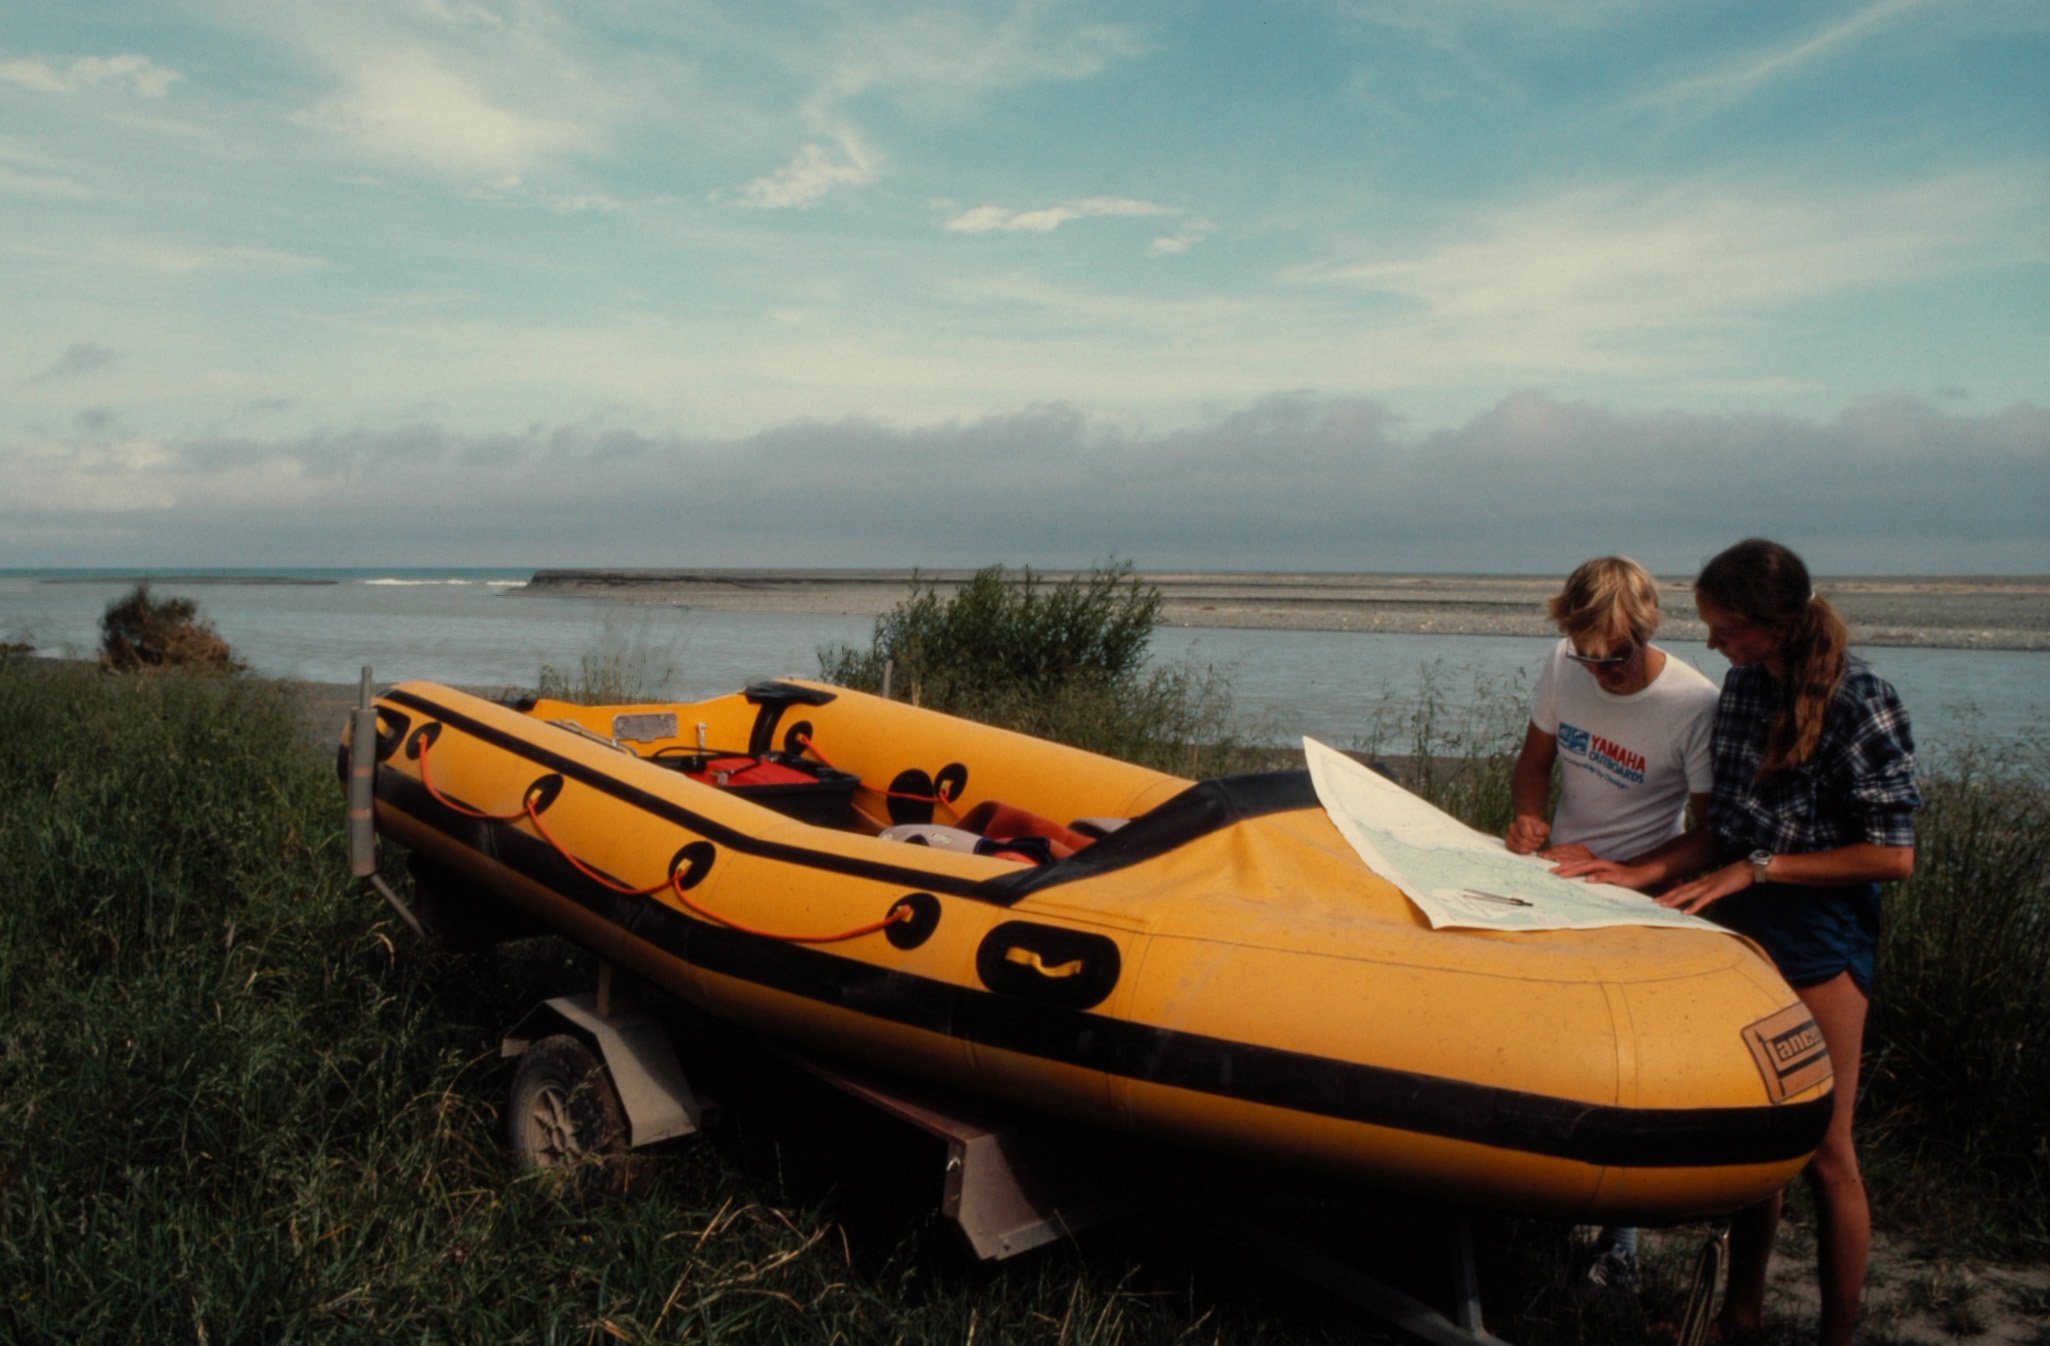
565, 1114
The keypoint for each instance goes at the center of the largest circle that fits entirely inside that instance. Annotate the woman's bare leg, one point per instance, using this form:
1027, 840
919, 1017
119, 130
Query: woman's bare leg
1843, 1218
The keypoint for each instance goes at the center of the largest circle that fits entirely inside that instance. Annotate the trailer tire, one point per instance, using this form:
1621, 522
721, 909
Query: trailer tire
565, 1118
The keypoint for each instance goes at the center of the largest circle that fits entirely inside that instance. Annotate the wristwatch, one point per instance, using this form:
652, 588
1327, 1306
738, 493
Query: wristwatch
1759, 861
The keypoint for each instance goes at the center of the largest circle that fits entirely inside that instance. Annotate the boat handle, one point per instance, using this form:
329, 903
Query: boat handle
1030, 958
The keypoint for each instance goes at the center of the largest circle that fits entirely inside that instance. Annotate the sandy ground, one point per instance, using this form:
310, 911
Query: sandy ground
1911, 1297
1963, 612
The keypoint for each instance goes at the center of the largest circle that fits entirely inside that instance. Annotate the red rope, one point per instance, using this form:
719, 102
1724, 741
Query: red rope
899, 911
594, 875
425, 740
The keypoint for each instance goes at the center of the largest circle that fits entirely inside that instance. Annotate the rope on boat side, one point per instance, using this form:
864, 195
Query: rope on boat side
529, 812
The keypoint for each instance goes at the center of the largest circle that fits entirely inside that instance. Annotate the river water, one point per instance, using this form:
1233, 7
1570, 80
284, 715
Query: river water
472, 628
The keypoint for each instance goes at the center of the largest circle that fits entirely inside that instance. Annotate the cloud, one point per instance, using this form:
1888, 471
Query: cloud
77, 361
127, 72
1606, 278
808, 177
1046, 219
28, 174
951, 54
1534, 484
1736, 80
403, 103
180, 259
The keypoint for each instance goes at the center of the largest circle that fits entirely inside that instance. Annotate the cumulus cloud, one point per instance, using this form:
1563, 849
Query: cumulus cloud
1295, 481
1046, 219
78, 360
127, 72
808, 177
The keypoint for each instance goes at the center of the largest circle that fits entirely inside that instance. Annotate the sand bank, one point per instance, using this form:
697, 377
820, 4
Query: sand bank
1959, 612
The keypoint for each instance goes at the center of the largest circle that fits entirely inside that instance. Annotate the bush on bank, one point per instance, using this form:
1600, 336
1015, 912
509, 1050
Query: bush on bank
1065, 661
140, 632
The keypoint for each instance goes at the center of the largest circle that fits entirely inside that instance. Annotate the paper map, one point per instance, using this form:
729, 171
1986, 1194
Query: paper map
1457, 876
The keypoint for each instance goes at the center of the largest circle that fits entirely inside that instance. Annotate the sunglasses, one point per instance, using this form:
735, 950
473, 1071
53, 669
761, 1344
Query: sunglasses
1616, 660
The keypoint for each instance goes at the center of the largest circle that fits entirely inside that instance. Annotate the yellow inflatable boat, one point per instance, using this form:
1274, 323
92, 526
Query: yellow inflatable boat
1207, 963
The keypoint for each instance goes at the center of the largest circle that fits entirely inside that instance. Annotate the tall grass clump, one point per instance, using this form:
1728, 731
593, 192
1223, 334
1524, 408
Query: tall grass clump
626, 667
1960, 1028
1454, 746
1065, 661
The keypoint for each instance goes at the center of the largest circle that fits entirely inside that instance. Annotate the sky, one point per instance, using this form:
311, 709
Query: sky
1459, 285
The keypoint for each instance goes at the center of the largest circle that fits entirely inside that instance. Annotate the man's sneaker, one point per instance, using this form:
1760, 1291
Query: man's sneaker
1613, 1270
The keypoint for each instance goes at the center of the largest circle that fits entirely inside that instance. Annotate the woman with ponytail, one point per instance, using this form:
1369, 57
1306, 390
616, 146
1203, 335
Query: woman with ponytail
1812, 809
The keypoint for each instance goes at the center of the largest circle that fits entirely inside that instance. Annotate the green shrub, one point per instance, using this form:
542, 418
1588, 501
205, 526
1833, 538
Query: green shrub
1062, 661
999, 637
138, 632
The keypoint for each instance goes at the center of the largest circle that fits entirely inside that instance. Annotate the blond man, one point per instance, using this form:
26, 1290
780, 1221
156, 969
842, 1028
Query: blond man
1627, 728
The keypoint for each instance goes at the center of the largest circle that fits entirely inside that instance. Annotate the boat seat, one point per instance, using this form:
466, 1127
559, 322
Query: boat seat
936, 835
1027, 849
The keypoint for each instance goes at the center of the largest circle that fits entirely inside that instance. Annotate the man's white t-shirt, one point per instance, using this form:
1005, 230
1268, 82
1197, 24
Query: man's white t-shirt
1629, 762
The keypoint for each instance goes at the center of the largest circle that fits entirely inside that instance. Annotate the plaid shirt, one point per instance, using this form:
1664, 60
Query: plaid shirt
1859, 785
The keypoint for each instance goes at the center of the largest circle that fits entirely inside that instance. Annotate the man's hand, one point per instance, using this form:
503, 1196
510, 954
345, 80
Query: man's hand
1526, 834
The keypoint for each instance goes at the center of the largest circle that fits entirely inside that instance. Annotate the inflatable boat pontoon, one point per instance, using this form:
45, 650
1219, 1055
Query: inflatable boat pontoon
1208, 963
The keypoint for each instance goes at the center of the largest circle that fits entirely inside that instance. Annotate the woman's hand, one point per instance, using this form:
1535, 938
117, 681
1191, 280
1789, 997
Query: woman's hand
1572, 850
1527, 833
1597, 870
1713, 886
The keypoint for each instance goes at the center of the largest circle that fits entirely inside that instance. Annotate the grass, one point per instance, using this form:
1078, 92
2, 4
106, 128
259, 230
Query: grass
234, 1107
237, 1103
1959, 1052
629, 663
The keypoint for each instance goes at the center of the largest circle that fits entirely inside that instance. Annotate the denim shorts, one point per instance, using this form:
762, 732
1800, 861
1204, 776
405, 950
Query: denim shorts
1811, 933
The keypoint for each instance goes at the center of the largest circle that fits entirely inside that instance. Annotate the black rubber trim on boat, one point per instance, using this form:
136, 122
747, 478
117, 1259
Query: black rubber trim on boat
1195, 812
1209, 806
773, 698
1076, 969
918, 927
1402, 1100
